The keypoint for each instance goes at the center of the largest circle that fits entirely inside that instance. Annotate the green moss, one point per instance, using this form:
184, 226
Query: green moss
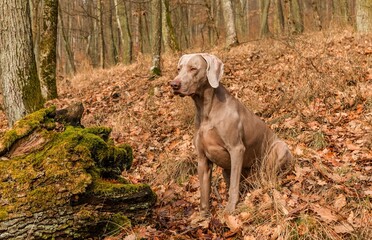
156, 71
102, 132
68, 158
117, 223
24, 127
68, 167
31, 91
101, 187
3, 214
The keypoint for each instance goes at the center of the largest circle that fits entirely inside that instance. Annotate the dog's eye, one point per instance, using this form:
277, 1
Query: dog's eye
193, 69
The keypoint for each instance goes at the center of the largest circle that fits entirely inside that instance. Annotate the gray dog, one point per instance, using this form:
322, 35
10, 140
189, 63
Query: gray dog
227, 133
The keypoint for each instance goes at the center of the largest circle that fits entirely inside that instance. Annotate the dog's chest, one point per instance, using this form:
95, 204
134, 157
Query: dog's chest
209, 143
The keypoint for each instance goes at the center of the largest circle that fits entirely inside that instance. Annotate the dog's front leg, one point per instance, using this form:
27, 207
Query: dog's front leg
205, 174
236, 155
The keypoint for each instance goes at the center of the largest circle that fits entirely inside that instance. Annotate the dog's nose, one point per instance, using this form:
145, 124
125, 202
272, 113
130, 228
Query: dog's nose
175, 84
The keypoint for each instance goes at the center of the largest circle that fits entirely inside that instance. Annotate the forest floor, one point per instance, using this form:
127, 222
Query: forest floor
314, 90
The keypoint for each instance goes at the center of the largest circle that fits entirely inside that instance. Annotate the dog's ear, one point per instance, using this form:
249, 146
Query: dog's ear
214, 69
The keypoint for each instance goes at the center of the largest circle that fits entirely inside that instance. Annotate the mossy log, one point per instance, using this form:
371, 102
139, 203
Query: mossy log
63, 182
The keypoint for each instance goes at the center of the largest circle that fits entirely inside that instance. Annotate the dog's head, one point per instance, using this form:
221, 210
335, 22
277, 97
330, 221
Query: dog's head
195, 71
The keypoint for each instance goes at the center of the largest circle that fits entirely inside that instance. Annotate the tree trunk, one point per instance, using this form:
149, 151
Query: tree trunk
316, 10
156, 37
341, 12
231, 38
120, 30
66, 41
102, 56
296, 16
364, 16
129, 31
48, 50
241, 20
18, 72
171, 39
65, 184
35, 6
145, 30
213, 33
264, 28
185, 26
279, 17
114, 49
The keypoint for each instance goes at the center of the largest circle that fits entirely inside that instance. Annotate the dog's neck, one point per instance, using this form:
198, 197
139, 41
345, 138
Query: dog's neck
204, 101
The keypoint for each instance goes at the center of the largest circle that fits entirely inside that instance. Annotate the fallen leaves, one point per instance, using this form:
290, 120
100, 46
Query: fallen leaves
323, 112
233, 223
340, 202
324, 213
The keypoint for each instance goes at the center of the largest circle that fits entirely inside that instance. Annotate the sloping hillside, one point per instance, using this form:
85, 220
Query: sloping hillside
314, 90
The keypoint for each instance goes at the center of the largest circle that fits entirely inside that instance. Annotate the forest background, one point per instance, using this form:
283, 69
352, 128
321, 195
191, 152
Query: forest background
304, 66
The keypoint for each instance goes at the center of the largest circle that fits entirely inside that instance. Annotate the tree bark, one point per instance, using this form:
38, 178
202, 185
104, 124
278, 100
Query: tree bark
318, 21
231, 37
66, 41
364, 16
48, 50
171, 39
114, 49
156, 37
264, 28
279, 17
296, 16
128, 22
102, 56
341, 12
64, 183
35, 6
18, 72
120, 30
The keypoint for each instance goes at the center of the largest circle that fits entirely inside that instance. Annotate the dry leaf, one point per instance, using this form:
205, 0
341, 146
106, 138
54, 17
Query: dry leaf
196, 219
130, 237
249, 237
245, 216
280, 201
340, 202
324, 213
368, 192
233, 223
343, 228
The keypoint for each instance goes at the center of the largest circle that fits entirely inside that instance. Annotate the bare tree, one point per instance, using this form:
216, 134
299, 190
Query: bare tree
170, 35
66, 42
341, 12
114, 49
318, 22
279, 16
364, 15
18, 73
296, 16
264, 28
47, 49
120, 28
156, 37
102, 42
231, 37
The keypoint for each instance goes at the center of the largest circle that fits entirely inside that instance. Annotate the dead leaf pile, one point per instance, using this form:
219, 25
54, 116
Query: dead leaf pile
314, 90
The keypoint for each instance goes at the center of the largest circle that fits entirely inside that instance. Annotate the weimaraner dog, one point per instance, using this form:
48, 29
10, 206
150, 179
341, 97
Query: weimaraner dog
227, 133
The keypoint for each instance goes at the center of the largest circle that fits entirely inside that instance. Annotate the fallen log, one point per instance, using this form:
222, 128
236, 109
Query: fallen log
59, 181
